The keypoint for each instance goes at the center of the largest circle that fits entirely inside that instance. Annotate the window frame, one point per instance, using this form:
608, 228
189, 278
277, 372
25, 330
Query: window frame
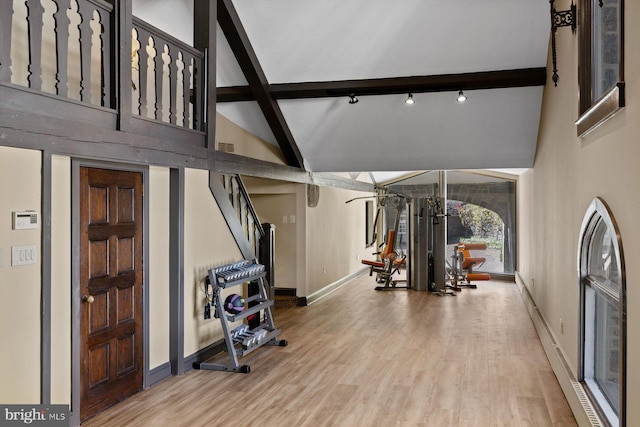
594, 112
597, 213
370, 224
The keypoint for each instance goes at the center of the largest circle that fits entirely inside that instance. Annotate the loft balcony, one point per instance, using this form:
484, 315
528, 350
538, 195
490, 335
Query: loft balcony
93, 63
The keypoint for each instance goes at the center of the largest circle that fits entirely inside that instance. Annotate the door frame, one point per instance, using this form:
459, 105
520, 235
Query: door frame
76, 164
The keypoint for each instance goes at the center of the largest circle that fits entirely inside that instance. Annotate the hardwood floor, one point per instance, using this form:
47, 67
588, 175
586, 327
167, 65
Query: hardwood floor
360, 357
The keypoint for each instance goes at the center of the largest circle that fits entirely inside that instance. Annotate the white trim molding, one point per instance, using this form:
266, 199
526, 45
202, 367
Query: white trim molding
584, 413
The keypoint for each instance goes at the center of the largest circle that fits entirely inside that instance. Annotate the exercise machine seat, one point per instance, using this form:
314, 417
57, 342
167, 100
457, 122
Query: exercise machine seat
386, 253
470, 261
478, 276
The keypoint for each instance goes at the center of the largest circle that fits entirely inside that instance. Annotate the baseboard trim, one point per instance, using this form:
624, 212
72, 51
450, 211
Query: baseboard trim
317, 295
159, 373
204, 354
584, 413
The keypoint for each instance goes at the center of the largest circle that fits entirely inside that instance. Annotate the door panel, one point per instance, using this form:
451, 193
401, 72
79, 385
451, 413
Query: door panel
111, 287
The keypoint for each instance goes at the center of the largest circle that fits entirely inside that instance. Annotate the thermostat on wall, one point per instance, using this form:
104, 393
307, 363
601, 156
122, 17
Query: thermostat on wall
25, 220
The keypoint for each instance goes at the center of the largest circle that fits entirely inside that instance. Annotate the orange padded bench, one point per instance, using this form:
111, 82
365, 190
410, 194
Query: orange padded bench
478, 276
389, 263
386, 252
469, 262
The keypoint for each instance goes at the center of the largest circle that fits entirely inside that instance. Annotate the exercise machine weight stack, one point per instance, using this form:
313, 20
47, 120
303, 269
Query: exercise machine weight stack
241, 340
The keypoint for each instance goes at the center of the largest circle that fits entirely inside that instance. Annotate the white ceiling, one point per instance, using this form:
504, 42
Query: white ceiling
310, 40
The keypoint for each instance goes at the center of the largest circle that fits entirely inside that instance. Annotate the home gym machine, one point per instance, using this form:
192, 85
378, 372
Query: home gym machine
390, 260
428, 231
425, 225
243, 339
429, 269
460, 273
396, 247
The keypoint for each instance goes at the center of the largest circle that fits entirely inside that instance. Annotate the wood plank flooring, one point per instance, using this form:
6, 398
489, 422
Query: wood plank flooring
360, 357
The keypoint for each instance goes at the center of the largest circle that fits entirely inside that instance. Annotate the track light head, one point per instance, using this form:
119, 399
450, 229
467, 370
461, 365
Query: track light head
353, 99
461, 97
409, 100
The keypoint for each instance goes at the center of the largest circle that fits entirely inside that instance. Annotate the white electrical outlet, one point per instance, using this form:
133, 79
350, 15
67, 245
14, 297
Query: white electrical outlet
23, 255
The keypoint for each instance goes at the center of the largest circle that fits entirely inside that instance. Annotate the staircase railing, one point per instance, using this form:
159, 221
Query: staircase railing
247, 215
237, 209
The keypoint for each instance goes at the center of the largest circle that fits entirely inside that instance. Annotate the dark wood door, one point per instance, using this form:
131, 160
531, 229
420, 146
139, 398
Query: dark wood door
111, 280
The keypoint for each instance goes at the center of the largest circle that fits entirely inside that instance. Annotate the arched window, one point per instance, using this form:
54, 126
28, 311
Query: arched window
602, 313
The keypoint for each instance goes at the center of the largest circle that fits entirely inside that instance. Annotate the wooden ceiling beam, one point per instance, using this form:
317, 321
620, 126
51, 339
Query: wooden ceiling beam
393, 85
258, 85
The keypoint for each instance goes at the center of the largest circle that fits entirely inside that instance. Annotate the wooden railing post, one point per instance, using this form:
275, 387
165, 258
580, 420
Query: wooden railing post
121, 47
34, 18
204, 39
6, 17
85, 10
173, 86
62, 48
143, 70
159, 72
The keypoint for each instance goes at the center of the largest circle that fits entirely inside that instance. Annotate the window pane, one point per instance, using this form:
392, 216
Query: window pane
395, 218
370, 231
606, 46
602, 315
606, 349
469, 223
603, 264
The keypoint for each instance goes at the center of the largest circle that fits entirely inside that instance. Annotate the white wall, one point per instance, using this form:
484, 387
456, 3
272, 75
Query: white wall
280, 210
335, 238
20, 288
158, 281
245, 143
174, 17
325, 244
568, 174
207, 243
61, 280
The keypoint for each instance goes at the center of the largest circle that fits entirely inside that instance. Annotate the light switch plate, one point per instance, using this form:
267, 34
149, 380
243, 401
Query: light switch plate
23, 255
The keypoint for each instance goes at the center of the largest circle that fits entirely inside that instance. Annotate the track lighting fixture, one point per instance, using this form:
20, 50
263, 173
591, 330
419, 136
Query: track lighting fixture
461, 96
353, 99
409, 100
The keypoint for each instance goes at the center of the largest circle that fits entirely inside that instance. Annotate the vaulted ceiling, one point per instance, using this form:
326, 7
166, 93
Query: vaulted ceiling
285, 69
